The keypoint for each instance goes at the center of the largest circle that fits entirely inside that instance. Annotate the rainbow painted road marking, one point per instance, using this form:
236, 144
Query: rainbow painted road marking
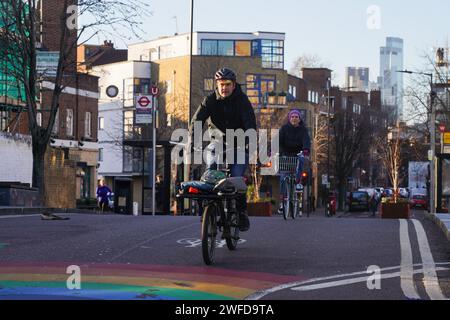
48, 281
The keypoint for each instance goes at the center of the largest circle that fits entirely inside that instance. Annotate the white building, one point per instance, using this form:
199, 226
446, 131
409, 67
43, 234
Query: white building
119, 83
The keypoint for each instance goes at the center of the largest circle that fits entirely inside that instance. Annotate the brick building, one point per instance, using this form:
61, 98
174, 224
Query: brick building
71, 158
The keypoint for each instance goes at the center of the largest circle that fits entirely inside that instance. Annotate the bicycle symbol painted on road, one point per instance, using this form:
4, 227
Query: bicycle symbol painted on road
194, 243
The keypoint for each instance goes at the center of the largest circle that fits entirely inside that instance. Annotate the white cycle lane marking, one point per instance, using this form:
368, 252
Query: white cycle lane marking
307, 285
406, 263
430, 279
194, 243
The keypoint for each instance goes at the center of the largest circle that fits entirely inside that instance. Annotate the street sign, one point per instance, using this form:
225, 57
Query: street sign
442, 128
144, 109
47, 63
155, 90
446, 137
143, 102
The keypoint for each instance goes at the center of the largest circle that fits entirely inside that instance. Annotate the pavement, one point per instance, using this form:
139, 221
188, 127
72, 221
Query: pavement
442, 220
13, 211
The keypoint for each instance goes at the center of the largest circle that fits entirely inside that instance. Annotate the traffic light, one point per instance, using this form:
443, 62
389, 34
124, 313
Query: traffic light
305, 178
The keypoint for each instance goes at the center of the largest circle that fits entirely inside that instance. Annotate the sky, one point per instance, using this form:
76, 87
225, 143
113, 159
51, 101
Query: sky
341, 32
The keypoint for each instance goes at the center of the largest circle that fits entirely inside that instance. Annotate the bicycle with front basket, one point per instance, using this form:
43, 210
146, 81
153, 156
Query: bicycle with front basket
293, 199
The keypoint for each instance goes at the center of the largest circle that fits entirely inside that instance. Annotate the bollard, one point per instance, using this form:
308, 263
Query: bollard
135, 208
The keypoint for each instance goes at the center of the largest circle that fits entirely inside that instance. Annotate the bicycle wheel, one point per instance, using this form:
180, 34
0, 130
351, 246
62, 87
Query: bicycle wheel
209, 233
233, 239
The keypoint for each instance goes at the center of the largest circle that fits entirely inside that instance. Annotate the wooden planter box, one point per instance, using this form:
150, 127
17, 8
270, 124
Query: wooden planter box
262, 209
395, 211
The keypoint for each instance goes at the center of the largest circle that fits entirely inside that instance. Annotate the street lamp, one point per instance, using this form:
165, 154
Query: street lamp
432, 137
187, 168
328, 133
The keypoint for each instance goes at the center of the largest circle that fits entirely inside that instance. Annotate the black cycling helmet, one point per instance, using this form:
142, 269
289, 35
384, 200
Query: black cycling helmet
225, 74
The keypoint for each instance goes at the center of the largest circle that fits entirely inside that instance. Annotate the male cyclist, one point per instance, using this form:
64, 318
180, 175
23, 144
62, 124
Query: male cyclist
228, 108
293, 138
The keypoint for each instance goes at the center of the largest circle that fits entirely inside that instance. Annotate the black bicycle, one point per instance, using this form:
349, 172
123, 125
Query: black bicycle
217, 206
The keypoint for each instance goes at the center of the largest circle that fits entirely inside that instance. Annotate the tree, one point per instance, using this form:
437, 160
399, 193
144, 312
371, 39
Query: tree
19, 38
417, 95
349, 131
306, 61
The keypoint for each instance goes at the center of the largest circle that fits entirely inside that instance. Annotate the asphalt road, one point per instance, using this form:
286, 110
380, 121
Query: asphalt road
349, 256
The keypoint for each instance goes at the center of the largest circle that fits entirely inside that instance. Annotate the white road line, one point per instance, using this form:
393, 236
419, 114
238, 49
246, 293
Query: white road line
430, 279
406, 263
354, 280
260, 294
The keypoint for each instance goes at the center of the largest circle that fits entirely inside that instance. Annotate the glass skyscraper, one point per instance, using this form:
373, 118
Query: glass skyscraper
391, 81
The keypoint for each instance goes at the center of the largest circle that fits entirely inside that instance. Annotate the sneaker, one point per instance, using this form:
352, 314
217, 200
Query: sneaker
244, 222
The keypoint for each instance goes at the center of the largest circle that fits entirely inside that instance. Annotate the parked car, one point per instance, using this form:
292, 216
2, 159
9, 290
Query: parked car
359, 200
403, 192
380, 191
388, 192
419, 201
371, 191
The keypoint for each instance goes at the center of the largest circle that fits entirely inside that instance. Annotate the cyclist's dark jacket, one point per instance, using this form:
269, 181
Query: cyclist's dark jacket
294, 139
233, 112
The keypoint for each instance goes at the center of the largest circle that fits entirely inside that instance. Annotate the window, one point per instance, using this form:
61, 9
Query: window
243, 48
56, 124
225, 48
100, 154
4, 120
128, 124
208, 84
272, 53
209, 47
258, 85
141, 86
101, 123
239, 48
69, 122
87, 125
